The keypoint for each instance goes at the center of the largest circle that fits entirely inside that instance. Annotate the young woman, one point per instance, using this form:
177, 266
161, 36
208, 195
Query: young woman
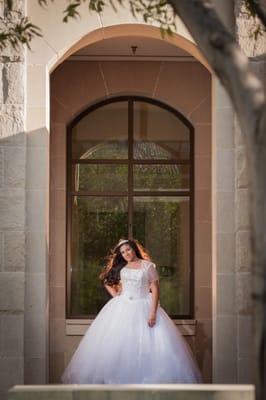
132, 339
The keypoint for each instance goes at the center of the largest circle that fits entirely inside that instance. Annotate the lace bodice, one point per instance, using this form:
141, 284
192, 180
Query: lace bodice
136, 282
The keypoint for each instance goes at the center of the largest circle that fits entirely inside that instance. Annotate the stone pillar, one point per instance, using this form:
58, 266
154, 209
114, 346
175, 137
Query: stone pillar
223, 156
255, 49
12, 211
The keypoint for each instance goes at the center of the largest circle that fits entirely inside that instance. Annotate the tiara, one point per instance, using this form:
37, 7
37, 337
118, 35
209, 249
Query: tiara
122, 242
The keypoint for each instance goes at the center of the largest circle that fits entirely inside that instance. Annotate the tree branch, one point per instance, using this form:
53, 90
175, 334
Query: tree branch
226, 59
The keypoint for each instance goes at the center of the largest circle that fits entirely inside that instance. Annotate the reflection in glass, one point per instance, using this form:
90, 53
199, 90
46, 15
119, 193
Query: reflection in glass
161, 177
159, 134
102, 134
165, 232
100, 177
96, 225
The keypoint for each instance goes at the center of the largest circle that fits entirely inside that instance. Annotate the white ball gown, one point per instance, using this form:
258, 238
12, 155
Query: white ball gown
120, 348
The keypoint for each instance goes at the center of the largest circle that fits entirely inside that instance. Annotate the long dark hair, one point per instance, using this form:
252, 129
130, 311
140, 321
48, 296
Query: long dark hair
115, 261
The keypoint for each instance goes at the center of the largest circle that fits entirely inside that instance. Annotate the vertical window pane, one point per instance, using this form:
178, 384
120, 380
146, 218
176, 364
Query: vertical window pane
162, 224
102, 133
160, 134
97, 223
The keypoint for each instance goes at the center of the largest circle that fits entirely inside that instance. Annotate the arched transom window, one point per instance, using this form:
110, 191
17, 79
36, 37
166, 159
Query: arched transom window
130, 174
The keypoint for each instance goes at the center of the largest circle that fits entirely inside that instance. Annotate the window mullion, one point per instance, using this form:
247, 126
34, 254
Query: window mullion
130, 168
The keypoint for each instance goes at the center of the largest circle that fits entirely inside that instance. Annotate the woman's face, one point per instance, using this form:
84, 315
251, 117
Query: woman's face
127, 252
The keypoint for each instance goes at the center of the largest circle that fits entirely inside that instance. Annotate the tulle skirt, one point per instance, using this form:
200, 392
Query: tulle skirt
120, 348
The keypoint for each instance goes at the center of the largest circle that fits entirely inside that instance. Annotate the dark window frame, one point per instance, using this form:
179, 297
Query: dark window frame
130, 193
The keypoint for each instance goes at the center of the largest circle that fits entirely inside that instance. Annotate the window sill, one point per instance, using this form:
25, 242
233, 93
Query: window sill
78, 327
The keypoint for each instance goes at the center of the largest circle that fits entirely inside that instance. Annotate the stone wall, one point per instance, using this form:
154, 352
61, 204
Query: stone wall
12, 210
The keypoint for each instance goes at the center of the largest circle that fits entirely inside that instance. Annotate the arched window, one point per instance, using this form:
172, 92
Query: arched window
130, 174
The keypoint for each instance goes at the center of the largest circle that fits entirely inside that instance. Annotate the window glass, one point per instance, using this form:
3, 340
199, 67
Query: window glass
97, 222
161, 177
130, 175
100, 177
159, 134
165, 232
102, 133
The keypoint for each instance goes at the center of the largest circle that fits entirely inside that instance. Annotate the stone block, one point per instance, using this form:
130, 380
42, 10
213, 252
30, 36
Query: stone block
57, 335
35, 335
224, 128
135, 392
38, 138
203, 302
225, 252
1, 251
36, 210
37, 167
1, 80
56, 366
19, 6
245, 368
243, 293
12, 291
18, 139
1, 167
35, 298
2, 8
226, 335
242, 209
203, 270
203, 345
239, 138
35, 371
14, 167
36, 246
12, 209
222, 99
243, 251
11, 372
11, 120
225, 166
62, 392
36, 85
14, 248
225, 212
13, 83
226, 370
242, 168
203, 239
245, 337
203, 139
13, 335
203, 205
226, 302
245, 26
58, 173
202, 173
57, 302
37, 120
9, 54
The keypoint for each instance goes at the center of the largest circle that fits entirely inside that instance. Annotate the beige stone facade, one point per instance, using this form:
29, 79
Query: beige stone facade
35, 110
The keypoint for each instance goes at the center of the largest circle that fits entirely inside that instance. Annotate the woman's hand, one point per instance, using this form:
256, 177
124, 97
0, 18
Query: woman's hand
152, 320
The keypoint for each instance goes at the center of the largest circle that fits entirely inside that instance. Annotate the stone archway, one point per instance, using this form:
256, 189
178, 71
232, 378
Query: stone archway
45, 59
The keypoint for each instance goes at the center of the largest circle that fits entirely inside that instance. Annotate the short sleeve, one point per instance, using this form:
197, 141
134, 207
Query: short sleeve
152, 273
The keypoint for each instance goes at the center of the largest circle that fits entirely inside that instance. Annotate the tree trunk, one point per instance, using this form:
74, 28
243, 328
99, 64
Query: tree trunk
258, 241
248, 98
